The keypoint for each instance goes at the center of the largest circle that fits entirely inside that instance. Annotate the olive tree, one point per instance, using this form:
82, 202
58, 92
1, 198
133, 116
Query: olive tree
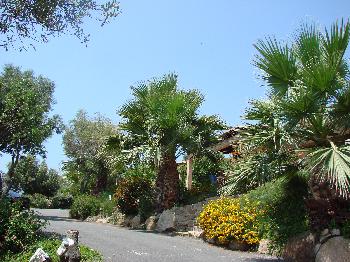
38, 20
25, 122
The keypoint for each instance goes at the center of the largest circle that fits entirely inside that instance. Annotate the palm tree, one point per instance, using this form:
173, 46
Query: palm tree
162, 122
308, 87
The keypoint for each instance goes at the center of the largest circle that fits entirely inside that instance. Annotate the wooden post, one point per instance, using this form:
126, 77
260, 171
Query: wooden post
189, 163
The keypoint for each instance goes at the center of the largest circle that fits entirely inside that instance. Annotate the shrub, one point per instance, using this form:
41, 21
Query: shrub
196, 194
50, 246
18, 227
61, 201
39, 201
84, 206
228, 219
106, 206
130, 190
146, 206
284, 208
345, 229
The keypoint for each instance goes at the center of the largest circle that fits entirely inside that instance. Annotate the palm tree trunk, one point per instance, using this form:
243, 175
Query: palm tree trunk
167, 184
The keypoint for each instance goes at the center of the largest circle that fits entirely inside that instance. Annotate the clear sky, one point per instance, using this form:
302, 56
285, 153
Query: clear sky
209, 44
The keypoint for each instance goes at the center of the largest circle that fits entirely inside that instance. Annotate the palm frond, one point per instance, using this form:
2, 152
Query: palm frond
341, 109
333, 165
308, 45
336, 41
278, 63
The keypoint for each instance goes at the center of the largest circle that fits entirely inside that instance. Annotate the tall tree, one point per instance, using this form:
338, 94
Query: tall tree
164, 121
25, 105
38, 20
85, 144
308, 104
34, 177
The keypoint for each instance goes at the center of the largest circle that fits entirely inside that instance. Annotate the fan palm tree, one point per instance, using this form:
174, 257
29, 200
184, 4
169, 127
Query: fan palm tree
308, 85
162, 121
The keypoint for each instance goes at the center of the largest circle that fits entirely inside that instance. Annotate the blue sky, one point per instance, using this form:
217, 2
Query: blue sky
209, 44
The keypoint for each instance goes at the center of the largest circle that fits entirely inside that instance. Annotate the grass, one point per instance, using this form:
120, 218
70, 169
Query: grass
50, 246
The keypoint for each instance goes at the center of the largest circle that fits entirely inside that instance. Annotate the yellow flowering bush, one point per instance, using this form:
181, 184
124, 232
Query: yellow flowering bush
228, 219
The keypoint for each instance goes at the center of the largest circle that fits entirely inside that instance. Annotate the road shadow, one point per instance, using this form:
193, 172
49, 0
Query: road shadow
51, 235
57, 218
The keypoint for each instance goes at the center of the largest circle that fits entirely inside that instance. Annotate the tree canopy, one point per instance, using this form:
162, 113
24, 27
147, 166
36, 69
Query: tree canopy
25, 105
33, 177
307, 110
90, 164
161, 121
38, 20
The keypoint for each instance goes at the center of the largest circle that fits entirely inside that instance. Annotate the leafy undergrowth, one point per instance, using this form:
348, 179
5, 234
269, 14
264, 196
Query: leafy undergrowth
50, 246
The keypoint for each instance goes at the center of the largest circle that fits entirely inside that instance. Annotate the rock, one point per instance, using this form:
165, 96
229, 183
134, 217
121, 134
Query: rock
195, 234
136, 222
69, 249
334, 250
335, 232
325, 238
40, 256
122, 220
317, 248
238, 245
127, 221
183, 234
264, 246
211, 241
300, 248
325, 232
102, 220
166, 221
151, 223
185, 217
92, 219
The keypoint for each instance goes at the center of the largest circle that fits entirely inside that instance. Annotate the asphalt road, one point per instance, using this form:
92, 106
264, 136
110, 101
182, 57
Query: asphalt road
125, 245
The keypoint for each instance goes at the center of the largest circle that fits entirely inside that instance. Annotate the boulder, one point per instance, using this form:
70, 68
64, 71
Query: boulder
151, 223
238, 245
102, 220
69, 249
300, 248
122, 220
334, 250
92, 219
335, 232
196, 232
40, 256
166, 221
136, 222
264, 245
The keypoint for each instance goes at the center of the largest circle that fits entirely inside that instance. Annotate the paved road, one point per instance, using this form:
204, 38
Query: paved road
124, 245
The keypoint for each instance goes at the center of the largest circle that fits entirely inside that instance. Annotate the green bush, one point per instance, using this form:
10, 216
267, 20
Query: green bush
106, 206
50, 246
345, 229
196, 194
39, 201
18, 228
84, 206
61, 201
285, 213
131, 191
